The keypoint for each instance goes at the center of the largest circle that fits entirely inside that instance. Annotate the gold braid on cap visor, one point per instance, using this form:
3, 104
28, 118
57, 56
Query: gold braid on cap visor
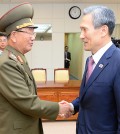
25, 25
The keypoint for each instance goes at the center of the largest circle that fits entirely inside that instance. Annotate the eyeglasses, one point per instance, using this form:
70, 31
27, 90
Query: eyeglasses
5, 40
32, 34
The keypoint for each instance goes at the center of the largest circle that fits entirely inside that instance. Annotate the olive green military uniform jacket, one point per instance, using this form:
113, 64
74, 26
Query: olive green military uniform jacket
21, 109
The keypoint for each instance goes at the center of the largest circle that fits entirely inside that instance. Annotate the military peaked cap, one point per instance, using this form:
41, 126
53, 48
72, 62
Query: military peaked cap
17, 18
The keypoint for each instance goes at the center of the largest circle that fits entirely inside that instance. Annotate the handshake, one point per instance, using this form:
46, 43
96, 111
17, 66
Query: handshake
65, 109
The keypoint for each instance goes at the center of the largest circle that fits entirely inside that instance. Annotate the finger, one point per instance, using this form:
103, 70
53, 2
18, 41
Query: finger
63, 102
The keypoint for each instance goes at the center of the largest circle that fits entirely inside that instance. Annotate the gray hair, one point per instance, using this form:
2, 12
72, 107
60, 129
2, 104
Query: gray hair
101, 16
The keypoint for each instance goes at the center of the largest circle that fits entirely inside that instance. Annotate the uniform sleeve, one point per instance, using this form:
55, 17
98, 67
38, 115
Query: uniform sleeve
18, 89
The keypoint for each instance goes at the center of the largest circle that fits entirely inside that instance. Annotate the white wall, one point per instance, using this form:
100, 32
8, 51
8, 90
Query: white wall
50, 54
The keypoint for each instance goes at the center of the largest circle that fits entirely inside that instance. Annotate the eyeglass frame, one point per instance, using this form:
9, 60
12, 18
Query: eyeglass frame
5, 40
32, 34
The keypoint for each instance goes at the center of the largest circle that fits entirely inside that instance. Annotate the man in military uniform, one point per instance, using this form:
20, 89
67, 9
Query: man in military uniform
3, 42
21, 109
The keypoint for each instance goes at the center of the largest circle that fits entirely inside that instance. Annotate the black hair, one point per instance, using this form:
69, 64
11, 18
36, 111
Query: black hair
3, 34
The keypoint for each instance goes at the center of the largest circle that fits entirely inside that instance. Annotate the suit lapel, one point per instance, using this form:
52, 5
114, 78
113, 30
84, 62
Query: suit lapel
84, 75
28, 71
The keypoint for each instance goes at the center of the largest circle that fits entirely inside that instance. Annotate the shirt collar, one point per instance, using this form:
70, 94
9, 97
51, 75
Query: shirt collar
100, 52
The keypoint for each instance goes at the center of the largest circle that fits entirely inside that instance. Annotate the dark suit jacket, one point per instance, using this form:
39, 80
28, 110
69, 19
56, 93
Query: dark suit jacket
21, 109
99, 101
67, 62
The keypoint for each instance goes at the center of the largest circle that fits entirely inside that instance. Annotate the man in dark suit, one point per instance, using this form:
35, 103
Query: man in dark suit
21, 109
67, 58
99, 101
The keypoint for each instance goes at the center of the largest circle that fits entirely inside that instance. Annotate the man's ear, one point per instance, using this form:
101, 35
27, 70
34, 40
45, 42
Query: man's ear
104, 30
13, 36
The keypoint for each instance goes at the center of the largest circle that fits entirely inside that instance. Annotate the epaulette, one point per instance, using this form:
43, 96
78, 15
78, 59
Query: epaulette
12, 56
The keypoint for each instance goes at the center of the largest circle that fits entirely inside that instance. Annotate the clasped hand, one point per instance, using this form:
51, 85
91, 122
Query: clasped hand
65, 109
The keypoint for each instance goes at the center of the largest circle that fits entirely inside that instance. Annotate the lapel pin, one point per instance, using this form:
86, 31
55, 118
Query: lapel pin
101, 65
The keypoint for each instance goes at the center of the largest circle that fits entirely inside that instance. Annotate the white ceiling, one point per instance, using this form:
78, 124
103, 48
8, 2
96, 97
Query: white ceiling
62, 1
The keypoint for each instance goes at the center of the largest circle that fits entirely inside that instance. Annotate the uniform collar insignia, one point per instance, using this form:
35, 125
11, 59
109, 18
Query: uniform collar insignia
20, 59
